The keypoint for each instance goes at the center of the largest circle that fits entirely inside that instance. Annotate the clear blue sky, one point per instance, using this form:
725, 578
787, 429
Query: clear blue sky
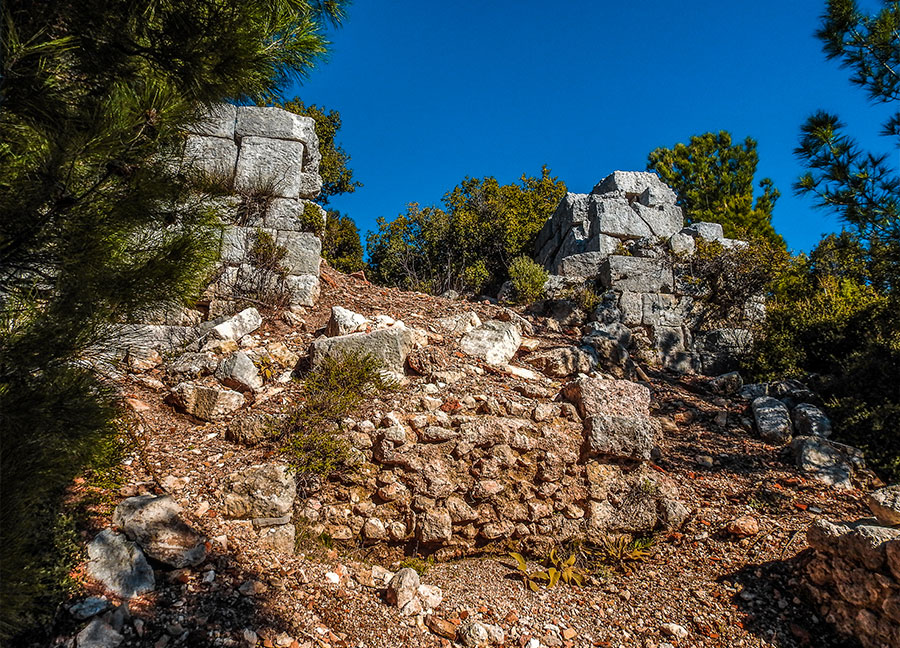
431, 92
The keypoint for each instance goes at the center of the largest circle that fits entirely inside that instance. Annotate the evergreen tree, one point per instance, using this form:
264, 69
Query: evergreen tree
469, 244
714, 182
98, 221
341, 245
337, 177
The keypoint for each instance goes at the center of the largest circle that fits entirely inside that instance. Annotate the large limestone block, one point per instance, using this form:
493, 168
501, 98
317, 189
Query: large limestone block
586, 264
218, 122
270, 166
664, 221
215, 157
260, 491
119, 564
633, 183
236, 244
562, 361
237, 371
207, 403
661, 310
344, 322
389, 345
860, 541
809, 420
658, 195
309, 185
304, 289
885, 505
822, 460
602, 396
615, 217
271, 122
773, 420
160, 337
237, 326
672, 344
155, 523
571, 214
636, 274
495, 342
707, 231
287, 214
304, 252
622, 437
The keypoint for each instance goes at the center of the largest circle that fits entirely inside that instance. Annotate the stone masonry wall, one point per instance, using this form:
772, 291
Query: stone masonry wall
624, 235
270, 159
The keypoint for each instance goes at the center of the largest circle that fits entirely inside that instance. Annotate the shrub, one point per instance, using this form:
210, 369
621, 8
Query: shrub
312, 433
264, 282
311, 219
528, 279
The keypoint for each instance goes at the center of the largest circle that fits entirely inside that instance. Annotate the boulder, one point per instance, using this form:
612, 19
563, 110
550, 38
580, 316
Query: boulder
155, 523
885, 505
586, 264
261, 491
119, 564
459, 324
616, 218
280, 538
664, 220
389, 345
98, 634
603, 396
636, 274
403, 588
682, 244
809, 420
822, 460
622, 437
495, 342
344, 322
207, 403
706, 231
238, 372
727, 384
773, 421
304, 289
248, 430
236, 327
635, 184
562, 361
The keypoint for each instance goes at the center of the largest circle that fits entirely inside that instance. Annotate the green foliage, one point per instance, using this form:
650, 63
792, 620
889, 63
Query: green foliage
311, 219
714, 182
528, 279
99, 222
559, 569
469, 243
585, 297
341, 245
337, 177
331, 392
725, 281
622, 552
419, 565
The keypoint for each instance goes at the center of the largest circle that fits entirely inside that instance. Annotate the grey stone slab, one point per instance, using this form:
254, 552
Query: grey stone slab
586, 264
708, 231
271, 166
631, 182
664, 221
615, 217
119, 564
631, 306
636, 274
271, 122
773, 420
218, 122
304, 289
215, 157
304, 252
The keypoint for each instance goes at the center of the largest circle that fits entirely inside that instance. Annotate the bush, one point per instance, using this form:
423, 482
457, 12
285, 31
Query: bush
332, 391
528, 279
311, 219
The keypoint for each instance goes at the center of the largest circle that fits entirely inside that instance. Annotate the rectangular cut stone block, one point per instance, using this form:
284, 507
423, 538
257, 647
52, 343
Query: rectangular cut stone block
631, 306
661, 310
708, 231
212, 156
303, 252
658, 195
636, 274
632, 182
270, 165
304, 289
663, 221
258, 121
309, 185
286, 214
615, 217
235, 245
586, 264
218, 122
673, 348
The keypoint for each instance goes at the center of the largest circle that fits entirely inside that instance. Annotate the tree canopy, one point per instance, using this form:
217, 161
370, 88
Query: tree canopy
714, 181
467, 244
99, 221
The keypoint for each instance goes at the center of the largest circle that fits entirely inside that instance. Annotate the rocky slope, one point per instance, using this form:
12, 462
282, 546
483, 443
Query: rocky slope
494, 442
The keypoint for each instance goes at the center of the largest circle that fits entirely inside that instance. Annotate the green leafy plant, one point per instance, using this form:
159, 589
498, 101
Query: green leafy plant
311, 219
558, 569
585, 297
417, 564
528, 279
622, 552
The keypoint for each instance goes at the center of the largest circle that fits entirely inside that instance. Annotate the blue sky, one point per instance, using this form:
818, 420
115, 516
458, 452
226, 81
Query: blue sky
431, 92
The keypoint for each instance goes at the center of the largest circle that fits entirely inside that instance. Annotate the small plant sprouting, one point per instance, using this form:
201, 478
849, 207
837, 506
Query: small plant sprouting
419, 565
558, 569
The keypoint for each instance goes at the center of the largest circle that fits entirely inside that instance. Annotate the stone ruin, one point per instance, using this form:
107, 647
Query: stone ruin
626, 236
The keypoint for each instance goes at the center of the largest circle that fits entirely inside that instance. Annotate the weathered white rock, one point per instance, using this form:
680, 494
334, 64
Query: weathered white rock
98, 634
435, 526
403, 588
495, 342
622, 437
681, 243
261, 491
303, 252
562, 361
271, 166
390, 346
193, 365
773, 421
473, 634
280, 538
615, 217
637, 274
586, 264
809, 420
238, 372
155, 523
207, 403
304, 289
344, 322
218, 122
268, 121
214, 157
707, 231
885, 505
237, 326
635, 183
603, 396
119, 564
822, 460
459, 324
663, 220
430, 595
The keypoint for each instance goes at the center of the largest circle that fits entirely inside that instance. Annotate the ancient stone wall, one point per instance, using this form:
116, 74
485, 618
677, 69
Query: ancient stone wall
624, 235
270, 159
854, 577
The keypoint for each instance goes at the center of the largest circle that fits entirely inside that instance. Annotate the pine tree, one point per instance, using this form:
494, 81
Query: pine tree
714, 182
98, 221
